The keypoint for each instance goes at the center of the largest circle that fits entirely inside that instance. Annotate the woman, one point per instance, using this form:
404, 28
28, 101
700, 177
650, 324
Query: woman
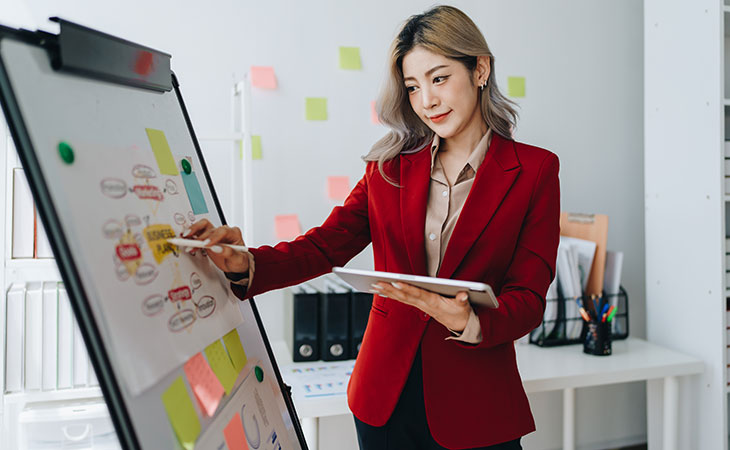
446, 193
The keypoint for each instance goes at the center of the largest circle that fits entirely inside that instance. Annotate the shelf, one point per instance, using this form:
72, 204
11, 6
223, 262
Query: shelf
23, 270
49, 396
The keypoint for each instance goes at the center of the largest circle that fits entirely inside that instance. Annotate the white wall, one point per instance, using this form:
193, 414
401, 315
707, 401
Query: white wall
583, 62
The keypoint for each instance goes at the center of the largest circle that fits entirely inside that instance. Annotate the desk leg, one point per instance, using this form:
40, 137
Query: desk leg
569, 419
310, 428
671, 412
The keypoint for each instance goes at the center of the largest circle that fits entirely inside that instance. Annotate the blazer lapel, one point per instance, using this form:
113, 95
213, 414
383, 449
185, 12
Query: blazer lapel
493, 180
414, 177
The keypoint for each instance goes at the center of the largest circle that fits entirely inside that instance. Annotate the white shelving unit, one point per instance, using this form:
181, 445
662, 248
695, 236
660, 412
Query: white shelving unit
13, 405
686, 112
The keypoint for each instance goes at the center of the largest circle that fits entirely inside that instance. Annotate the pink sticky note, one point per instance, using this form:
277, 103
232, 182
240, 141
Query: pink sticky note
338, 187
206, 386
234, 434
263, 77
373, 113
287, 226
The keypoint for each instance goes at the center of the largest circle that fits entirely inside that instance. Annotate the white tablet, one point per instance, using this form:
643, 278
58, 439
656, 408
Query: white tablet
362, 280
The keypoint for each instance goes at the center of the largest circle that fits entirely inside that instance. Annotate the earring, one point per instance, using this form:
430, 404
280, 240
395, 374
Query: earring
483, 85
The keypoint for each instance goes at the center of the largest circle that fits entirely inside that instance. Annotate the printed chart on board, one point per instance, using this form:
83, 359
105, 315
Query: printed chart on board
175, 301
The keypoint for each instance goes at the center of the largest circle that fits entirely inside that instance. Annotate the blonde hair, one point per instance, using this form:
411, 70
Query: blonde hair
447, 31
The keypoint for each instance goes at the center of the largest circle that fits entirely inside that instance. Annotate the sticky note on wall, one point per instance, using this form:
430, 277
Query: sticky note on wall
256, 151
181, 412
263, 77
338, 187
161, 150
516, 86
350, 58
287, 226
195, 194
316, 108
221, 365
205, 385
234, 434
235, 349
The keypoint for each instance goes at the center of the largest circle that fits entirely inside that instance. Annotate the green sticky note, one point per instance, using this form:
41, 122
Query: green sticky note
316, 108
195, 194
256, 152
350, 58
181, 413
240, 149
516, 86
235, 349
162, 152
221, 365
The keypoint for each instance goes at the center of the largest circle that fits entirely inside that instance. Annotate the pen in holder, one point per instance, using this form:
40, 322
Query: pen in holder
598, 338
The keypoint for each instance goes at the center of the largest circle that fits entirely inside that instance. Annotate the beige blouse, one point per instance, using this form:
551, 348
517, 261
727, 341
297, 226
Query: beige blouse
444, 205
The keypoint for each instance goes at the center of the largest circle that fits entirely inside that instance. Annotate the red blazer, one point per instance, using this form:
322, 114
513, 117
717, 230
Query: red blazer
507, 236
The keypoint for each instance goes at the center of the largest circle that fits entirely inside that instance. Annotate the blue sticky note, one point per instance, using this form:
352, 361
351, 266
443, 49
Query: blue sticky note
195, 195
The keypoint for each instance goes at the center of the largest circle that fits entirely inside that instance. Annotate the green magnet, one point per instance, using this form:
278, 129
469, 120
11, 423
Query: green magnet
186, 166
259, 373
66, 152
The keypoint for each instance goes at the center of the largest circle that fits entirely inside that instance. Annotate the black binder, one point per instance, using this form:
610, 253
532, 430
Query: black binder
335, 325
360, 304
306, 326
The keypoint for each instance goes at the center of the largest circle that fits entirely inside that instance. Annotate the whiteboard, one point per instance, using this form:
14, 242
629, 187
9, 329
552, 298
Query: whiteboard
136, 177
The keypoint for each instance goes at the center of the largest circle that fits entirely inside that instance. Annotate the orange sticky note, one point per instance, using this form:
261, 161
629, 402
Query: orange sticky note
206, 386
338, 187
234, 434
287, 226
373, 113
263, 77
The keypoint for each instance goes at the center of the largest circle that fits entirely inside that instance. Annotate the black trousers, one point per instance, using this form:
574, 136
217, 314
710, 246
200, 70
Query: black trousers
407, 428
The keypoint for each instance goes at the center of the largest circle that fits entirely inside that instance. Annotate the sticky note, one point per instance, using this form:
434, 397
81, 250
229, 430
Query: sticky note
235, 349
205, 385
263, 77
350, 58
234, 434
316, 108
195, 194
221, 365
287, 226
240, 149
157, 236
161, 149
181, 412
374, 113
516, 86
338, 187
256, 147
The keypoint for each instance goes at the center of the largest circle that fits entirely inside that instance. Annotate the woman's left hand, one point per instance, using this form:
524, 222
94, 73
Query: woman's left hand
452, 312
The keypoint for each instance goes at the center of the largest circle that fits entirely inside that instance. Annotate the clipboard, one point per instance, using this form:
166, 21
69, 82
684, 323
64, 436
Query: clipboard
591, 227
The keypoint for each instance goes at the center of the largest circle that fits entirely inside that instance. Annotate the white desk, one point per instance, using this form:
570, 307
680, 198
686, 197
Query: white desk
559, 368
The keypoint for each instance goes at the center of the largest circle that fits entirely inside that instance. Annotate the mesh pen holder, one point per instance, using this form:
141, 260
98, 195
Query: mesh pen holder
563, 324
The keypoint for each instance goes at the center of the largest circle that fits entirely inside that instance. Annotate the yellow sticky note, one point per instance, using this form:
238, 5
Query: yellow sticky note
287, 226
221, 365
240, 149
516, 86
235, 349
181, 413
161, 149
256, 152
263, 77
350, 58
157, 236
316, 108
338, 187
